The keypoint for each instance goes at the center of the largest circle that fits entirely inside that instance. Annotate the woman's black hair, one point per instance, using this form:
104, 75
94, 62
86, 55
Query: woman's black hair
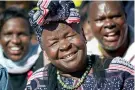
13, 12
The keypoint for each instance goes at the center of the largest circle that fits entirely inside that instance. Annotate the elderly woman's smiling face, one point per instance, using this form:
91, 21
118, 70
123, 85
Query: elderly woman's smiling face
65, 47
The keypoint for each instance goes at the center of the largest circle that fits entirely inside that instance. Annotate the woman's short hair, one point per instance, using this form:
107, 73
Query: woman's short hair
13, 13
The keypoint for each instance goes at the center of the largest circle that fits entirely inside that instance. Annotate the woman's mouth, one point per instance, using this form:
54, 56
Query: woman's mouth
70, 57
15, 50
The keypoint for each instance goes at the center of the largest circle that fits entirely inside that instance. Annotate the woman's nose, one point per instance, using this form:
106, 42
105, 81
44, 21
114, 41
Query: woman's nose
64, 45
15, 39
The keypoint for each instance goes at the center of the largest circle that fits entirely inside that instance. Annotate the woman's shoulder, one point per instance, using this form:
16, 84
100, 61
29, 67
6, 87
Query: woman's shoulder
38, 79
38, 75
120, 64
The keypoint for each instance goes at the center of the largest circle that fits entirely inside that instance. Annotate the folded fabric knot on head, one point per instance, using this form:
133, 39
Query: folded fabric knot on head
51, 11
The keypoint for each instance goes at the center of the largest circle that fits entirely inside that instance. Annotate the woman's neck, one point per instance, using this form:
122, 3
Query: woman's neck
77, 74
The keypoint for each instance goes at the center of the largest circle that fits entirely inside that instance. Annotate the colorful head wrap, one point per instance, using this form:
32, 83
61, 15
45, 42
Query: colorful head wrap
52, 11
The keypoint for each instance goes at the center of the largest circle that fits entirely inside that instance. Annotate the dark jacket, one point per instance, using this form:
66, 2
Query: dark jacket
18, 81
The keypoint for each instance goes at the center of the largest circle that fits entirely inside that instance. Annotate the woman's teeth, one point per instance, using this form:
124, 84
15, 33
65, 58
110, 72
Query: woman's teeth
15, 48
68, 56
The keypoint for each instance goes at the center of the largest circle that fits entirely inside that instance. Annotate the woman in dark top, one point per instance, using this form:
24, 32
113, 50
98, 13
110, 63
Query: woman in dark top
17, 54
60, 35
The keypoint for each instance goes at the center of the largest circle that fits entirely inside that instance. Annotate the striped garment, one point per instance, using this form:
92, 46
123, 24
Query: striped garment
118, 76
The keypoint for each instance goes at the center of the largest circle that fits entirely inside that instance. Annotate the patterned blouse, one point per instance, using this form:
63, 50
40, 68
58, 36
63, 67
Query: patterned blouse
118, 76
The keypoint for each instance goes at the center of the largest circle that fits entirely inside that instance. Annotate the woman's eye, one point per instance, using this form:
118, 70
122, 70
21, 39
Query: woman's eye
116, 16
70, 36
23, 34
7, 34
100, 19
54, 43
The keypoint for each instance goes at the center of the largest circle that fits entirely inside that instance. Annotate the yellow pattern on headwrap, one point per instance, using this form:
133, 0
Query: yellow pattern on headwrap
35, 8
77, 2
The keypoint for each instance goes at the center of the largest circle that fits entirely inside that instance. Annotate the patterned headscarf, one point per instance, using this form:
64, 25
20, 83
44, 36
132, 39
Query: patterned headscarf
52, 11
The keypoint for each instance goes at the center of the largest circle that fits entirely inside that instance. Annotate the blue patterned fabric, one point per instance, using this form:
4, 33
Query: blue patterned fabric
119, 76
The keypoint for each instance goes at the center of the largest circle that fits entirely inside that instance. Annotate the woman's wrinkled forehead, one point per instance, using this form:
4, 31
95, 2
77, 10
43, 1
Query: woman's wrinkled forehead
61, 27
57, 29
53, 26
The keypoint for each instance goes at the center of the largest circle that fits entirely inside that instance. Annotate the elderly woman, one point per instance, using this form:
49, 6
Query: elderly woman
17, 54
60, 35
